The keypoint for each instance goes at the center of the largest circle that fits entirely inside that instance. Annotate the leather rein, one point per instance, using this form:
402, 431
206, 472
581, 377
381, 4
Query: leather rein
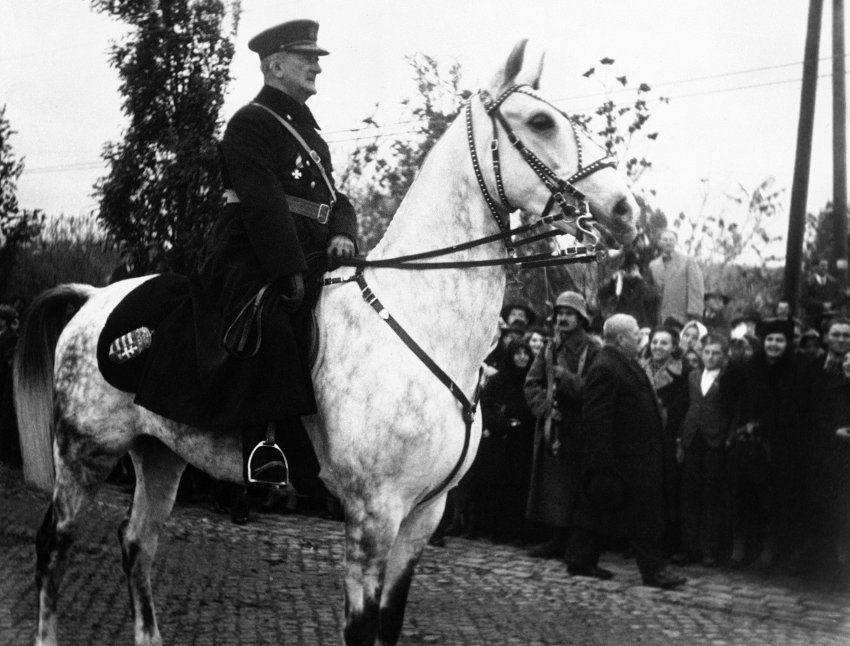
571, 203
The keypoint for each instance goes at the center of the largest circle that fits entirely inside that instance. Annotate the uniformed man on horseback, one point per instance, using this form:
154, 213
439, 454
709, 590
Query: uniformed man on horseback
235, 354
277, 174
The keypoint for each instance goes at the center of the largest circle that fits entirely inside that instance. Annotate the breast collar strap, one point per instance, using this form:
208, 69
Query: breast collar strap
560, 190
469, 406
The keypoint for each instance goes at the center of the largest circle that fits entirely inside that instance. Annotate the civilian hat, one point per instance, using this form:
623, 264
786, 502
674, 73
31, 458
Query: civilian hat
781, 326
530, 314
674, 323
294, 36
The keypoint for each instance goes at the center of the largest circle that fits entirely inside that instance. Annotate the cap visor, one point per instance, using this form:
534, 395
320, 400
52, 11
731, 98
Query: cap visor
307, 49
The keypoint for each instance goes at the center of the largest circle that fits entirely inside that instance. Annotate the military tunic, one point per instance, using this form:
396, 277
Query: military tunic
258, 240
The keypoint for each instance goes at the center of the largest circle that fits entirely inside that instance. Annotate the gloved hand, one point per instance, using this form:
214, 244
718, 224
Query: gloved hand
292, 291
340, 246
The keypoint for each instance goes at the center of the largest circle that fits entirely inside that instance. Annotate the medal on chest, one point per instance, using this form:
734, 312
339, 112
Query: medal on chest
299, 164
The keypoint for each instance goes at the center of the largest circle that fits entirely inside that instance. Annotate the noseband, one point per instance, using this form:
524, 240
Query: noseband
559, 188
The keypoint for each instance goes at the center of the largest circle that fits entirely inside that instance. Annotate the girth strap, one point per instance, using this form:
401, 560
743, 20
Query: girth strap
469, 407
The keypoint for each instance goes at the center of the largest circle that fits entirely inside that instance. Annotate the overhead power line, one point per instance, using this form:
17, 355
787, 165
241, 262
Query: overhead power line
397, 129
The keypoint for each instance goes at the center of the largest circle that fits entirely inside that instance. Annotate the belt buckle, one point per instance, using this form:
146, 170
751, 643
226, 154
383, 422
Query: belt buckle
324, 212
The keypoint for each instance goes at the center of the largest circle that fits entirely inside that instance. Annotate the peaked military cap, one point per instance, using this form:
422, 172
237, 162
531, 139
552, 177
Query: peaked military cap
292, 36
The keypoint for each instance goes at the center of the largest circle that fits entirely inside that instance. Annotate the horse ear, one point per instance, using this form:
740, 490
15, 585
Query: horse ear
538, 71
520, 68
513, 66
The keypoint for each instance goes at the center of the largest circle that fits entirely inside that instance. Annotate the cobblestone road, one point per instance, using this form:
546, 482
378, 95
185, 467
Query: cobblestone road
278, 581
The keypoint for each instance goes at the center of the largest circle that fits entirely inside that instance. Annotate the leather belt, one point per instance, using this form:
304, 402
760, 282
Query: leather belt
312, 210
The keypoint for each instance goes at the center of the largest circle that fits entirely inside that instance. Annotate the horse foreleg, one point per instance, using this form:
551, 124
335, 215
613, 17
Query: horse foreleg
158, 471
369, 536
412, 537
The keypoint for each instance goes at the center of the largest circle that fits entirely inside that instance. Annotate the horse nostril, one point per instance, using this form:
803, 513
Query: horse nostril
622, 207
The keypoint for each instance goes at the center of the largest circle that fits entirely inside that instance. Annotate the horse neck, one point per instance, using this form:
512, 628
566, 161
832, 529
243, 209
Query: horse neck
450, 313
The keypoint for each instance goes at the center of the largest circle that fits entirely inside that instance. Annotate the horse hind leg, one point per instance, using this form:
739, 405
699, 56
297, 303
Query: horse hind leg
412, 537
369, 536
80, 470
158, 471
52, 542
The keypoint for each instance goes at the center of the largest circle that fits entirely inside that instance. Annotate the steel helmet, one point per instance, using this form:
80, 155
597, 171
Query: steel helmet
573, 300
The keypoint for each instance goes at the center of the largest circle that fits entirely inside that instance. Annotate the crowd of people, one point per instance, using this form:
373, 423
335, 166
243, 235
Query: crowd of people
695, 437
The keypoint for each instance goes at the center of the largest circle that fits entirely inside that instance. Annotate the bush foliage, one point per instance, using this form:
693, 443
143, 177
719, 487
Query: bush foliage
69, 250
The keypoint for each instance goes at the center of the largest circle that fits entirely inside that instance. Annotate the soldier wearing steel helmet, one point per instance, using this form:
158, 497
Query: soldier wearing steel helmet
553, 389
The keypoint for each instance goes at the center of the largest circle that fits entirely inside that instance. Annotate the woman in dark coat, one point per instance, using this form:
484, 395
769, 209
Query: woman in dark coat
503, 463
769, 421
669, 377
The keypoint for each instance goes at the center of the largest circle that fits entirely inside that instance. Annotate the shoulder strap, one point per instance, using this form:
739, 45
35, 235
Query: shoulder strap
549, 357
582, 359
312, 154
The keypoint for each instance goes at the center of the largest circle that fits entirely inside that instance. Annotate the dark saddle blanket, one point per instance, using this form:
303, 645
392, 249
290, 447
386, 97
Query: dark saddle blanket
157, 304
146, 306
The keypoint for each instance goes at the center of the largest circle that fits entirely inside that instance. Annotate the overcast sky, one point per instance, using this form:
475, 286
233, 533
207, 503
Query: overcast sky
731, 69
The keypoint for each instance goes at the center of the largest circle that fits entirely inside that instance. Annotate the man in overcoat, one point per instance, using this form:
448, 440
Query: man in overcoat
679, 281
553, 390
283, 224
622, 461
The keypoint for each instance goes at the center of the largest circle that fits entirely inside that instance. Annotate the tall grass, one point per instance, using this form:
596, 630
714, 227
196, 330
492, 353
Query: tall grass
70, 249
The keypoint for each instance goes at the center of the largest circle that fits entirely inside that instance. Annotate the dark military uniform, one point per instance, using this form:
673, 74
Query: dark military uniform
258, 240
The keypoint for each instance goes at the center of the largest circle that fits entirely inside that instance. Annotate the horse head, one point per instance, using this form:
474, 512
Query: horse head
554, 164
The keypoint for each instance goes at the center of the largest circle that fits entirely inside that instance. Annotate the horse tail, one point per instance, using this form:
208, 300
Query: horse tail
33, 377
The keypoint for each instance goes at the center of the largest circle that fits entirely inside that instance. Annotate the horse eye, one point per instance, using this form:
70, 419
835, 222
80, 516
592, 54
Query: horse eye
541, 122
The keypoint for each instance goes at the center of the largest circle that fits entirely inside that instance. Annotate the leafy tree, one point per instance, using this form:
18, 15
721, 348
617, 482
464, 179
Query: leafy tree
736, 230
163, 188
620, 122
17, 226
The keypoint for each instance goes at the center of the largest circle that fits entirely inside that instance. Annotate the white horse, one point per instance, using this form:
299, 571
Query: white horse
389, 434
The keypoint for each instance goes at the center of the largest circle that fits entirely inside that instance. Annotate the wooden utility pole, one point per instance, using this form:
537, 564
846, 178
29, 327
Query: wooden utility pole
802, 163
838, 262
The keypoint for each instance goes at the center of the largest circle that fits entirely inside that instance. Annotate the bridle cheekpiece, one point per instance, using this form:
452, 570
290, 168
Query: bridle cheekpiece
561, 190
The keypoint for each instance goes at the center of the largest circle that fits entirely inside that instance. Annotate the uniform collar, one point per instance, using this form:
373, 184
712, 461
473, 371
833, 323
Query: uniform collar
286, 106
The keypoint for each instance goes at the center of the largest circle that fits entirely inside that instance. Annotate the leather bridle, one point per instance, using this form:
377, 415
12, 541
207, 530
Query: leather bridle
559, 188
